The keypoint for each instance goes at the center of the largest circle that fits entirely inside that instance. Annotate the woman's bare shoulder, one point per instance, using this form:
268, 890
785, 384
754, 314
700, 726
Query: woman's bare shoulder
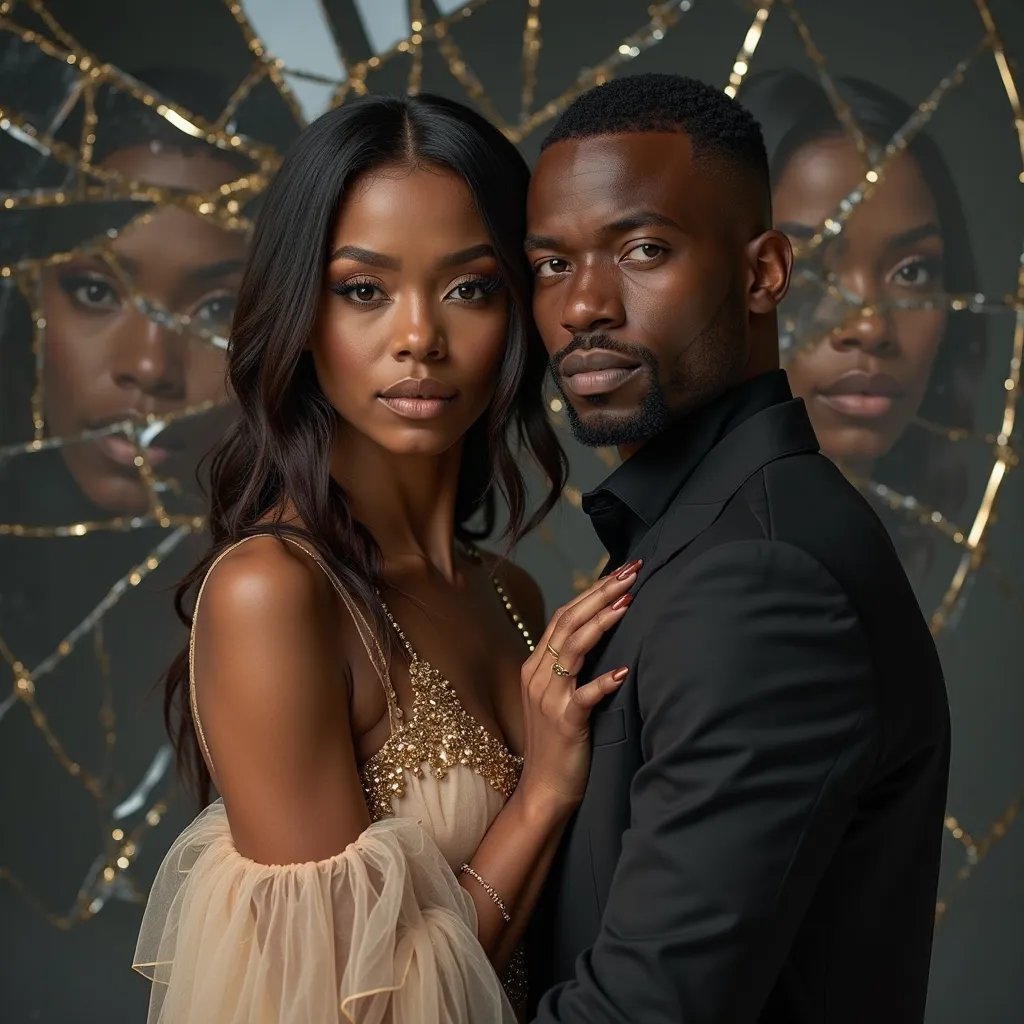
265, 603
261, 576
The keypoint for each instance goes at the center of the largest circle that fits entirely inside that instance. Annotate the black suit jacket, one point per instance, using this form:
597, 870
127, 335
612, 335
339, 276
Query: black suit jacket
759, 840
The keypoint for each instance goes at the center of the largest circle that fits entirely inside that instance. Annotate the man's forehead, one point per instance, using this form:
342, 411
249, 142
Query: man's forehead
603, 172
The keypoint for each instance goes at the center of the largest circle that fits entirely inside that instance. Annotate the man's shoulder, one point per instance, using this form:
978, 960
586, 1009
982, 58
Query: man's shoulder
803, 505
809, 503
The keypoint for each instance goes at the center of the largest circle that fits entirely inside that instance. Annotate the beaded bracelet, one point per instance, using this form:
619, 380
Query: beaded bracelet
490, 890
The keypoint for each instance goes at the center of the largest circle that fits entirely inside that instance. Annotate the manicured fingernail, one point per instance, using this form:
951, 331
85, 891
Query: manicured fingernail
623, 602
628, 570
619, 674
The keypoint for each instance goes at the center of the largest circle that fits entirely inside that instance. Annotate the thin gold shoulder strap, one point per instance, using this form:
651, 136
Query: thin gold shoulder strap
477, 556
363, 628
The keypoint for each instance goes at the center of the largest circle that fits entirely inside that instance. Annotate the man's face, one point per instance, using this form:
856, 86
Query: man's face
642, 280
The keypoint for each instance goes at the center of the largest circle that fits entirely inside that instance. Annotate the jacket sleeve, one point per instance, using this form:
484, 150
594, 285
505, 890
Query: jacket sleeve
759, 730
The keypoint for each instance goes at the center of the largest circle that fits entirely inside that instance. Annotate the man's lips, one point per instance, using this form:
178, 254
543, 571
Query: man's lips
596, 371
862, 395
599, 382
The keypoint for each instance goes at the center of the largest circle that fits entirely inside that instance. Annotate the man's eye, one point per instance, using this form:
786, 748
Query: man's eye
551, 267
644, 252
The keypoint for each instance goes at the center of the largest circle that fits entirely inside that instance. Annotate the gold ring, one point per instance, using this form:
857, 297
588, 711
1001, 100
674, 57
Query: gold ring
553, 652
559, 670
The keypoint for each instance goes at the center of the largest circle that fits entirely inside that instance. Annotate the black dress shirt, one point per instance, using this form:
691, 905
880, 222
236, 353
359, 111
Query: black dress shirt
636, 495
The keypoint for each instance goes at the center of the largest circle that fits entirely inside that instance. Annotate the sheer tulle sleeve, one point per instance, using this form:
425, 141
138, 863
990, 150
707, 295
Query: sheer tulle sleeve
382, 932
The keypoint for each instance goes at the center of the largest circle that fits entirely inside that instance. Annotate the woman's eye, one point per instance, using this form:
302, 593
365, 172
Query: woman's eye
916, 273
644, 253
216, 311
362, 293
912, 273
473, 291
91, 293
551, 267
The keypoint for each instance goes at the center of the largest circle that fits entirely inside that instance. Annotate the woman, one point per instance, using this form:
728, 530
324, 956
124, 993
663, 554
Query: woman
376, 850
867, 368
108, 362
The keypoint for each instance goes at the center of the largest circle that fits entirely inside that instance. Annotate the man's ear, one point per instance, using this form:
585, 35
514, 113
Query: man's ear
770, 258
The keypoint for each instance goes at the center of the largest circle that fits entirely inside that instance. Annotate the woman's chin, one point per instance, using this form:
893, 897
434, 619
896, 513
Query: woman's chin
118, 497
419, 439
855, 451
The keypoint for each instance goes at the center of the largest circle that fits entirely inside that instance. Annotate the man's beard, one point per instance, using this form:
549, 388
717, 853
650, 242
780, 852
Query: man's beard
708, 372
650, 417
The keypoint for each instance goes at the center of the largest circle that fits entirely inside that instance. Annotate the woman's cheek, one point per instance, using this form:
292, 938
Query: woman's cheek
919, 334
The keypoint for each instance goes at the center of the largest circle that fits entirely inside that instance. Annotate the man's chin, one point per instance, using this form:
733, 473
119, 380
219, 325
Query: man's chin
603, 428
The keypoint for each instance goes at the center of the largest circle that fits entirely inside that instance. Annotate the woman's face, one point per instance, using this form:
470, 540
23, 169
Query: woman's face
414, 319
105, 361
863, 383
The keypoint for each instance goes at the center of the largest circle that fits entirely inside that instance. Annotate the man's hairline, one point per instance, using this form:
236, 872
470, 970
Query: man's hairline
700, 155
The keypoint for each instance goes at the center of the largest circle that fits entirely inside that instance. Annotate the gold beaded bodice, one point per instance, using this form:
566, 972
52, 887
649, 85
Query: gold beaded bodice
439, 733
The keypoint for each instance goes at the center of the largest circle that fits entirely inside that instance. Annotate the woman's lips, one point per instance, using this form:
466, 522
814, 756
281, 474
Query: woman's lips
862, 395
859, 406
417, 408
419, 398
120, 450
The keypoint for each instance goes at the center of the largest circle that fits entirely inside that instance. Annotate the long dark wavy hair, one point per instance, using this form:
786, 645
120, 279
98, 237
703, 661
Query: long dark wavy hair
794, 111
278, 451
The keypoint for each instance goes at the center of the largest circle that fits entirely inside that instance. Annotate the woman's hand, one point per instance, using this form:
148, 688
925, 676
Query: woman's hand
557, 712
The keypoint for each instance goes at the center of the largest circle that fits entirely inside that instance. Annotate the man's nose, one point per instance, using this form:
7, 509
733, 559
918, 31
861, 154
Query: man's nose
593, 303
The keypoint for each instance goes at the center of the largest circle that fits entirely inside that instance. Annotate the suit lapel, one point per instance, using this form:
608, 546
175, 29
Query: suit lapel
773, 433
646, 550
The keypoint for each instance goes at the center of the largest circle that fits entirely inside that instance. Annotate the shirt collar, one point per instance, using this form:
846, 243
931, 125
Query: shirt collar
630, 501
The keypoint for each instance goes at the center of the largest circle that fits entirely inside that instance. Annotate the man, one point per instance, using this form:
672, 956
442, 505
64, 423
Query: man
759, 839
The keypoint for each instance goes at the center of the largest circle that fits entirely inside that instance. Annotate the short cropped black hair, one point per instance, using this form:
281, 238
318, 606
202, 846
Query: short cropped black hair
717, 125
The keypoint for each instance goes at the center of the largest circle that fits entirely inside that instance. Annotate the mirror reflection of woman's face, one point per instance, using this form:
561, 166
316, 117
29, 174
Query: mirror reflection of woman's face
865, 382
105, 361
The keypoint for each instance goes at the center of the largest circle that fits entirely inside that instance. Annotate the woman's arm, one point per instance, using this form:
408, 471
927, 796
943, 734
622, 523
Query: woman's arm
270, 679
528, 601
515, 855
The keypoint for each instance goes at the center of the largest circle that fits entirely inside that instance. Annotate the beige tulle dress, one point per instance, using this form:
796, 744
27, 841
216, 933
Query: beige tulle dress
382, 931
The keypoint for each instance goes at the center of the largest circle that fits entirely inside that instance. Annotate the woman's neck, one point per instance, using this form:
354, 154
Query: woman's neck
406, 501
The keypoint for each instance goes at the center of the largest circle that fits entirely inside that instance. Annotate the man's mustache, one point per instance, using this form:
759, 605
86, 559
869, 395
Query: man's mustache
598, 340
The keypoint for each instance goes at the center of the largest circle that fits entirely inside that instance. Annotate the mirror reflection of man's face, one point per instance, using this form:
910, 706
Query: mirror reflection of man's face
105, 361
